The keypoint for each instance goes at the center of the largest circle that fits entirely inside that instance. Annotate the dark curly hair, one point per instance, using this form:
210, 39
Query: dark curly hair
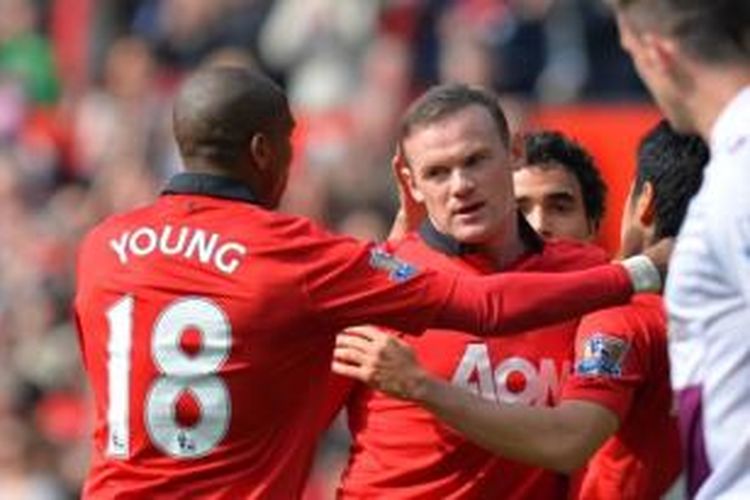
552, 148
673, 164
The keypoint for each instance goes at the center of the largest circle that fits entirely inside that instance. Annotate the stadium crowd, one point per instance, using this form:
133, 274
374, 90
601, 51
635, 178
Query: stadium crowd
85, 100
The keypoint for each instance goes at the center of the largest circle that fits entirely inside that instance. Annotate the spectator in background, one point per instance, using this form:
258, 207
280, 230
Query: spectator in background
558, 187
182, 32
557, 51
24, 464
320, 54
368, 141
466, 55
126, 119
25, 53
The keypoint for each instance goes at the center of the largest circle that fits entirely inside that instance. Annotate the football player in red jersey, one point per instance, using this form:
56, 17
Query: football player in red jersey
558, 187
456, 162
207, 320
618, 399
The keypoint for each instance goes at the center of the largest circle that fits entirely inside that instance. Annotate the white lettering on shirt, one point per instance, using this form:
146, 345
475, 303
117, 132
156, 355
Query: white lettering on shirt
119, 247
512, 380
185, 241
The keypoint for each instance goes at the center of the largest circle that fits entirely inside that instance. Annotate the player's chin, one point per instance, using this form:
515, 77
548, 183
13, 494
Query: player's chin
472, 234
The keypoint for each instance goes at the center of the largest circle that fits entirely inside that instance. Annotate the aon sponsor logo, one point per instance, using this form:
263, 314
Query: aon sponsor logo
512, 380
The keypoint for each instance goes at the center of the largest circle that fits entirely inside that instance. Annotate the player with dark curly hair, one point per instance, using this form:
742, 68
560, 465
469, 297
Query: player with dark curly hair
558, 186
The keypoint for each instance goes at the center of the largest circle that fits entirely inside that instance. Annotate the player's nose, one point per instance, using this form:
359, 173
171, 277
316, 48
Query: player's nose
462, 183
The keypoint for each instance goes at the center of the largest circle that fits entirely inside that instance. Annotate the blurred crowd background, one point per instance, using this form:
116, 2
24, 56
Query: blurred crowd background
85, 96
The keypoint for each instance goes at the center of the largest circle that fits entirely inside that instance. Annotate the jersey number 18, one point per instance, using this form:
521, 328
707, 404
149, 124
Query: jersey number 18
178, 372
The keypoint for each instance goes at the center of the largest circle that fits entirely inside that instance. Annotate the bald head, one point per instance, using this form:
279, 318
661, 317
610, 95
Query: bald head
219, 110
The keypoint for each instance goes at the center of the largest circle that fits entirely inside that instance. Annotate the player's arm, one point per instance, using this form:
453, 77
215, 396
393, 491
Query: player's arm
346, 283
510, 302
560, 438
350, 285
521, 301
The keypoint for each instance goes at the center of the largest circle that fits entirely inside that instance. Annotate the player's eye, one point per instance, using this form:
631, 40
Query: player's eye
435, 172
475, 159
562, 207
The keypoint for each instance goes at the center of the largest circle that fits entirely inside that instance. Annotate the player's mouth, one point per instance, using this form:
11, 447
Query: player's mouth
469, 210
469, 213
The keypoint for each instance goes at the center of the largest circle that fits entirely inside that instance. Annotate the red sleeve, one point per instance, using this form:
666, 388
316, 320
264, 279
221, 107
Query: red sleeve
612, 360
512, 302
353, 284
81, 338
338, 389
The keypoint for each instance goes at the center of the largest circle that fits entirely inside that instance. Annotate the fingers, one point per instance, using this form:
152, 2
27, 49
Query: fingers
348, 370
378, 359
349, 355
363, 331
362, 337
398, 165
398, 161
356, 340
411, 212
359, 345
358, 350
368, 345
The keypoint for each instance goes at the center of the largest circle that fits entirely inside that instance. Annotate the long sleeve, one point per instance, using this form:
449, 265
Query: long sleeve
521, 301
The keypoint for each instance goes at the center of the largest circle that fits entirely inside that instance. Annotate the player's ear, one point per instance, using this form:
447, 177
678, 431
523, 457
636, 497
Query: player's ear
408, 176
645, 207
660, 52
262, 152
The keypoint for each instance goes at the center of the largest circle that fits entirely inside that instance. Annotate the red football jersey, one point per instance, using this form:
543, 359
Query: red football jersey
207, 324
621, 363
400, 450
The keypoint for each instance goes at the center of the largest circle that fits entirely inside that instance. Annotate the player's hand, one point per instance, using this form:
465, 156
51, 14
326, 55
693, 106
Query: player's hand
411, 213
660, 253
380, 360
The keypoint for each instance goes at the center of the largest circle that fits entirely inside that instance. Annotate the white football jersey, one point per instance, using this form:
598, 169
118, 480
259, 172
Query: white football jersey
708, 299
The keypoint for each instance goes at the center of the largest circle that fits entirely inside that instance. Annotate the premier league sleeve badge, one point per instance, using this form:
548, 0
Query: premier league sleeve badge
602, 355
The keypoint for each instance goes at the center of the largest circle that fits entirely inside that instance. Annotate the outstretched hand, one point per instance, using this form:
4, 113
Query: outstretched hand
380, 360
410, 212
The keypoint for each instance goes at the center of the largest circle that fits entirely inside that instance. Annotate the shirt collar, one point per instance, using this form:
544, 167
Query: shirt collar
450, 246
209, 185
732, 127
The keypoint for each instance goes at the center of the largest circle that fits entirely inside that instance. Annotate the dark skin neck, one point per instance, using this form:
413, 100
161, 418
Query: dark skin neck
202, 166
